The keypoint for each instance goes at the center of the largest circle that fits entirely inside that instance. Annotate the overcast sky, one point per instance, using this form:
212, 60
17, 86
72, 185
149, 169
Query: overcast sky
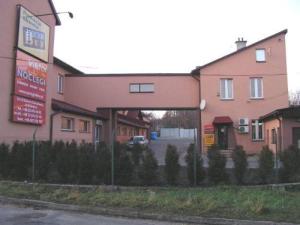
170, 36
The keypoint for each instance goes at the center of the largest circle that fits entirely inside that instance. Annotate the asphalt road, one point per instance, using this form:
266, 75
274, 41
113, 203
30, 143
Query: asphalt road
13, 215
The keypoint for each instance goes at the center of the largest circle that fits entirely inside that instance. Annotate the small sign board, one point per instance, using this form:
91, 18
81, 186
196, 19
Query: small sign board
209, 129
33, 35
209, 139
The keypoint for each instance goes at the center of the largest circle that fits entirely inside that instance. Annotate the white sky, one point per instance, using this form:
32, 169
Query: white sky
166, 36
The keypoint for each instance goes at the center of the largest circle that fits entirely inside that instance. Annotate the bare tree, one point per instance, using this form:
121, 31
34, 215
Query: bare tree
294, 98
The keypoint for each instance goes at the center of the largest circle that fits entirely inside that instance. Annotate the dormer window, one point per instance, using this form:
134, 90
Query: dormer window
260, 55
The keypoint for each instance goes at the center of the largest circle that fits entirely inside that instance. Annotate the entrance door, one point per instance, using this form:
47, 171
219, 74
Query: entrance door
222, 133
296, 136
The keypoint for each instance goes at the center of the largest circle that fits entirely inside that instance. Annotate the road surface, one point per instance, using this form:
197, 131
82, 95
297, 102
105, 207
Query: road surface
14, 215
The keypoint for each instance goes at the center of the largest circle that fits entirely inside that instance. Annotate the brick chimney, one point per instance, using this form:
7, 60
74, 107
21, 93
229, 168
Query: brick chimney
240, 43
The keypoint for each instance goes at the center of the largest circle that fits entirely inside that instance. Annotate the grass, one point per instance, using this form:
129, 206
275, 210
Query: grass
226, 201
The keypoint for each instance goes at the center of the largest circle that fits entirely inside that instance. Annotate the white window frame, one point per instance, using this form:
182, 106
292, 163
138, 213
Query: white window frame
60, 84
260, 55
256, 124
255, 96
72, 123
226, 91
141, 87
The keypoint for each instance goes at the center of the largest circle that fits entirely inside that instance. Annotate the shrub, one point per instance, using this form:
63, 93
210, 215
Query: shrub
43, 160
266, 164
103, 164
216, 166
189, 159
172, 166
136, 153
147, 171
85, 163
239, 158
4, 161
290, 159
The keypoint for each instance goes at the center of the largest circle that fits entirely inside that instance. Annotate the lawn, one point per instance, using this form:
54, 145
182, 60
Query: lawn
222, 202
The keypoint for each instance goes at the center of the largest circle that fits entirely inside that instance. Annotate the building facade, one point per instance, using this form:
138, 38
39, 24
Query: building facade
39, 90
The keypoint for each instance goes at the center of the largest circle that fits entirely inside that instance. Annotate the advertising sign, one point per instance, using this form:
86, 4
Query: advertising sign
28, 111
30, 77
209, 129
209, 139
33, 35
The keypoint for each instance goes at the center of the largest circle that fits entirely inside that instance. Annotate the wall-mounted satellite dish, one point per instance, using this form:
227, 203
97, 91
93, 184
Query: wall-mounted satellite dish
202, 104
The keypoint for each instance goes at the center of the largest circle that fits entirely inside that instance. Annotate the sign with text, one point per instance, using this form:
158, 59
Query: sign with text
209, 129
209, 139
33, 35
28, 111
30, 77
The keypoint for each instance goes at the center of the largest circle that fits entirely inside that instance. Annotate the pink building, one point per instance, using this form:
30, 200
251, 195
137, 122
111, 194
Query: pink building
39, 90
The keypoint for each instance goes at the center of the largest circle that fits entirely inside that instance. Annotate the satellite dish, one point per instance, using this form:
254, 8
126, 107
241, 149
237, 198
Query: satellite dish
202, 104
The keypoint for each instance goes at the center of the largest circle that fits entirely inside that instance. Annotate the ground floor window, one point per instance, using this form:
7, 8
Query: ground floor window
67, 123
257, 130
84, 126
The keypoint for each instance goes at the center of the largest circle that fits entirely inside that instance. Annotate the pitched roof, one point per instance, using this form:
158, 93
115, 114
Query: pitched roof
58, 105
289, 112
66, 66
198, 68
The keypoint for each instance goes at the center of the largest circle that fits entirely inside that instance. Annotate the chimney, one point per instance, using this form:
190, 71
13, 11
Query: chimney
240, 43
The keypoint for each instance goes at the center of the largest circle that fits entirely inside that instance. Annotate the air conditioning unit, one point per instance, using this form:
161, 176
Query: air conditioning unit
99, 122
244, 129
243, 121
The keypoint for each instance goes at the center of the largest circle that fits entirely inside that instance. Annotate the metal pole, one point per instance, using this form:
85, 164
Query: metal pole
195, 160
112, 160
33, 153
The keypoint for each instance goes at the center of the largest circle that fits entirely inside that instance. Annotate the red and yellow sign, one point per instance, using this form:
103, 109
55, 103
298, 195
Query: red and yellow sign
209, 129
31, 77
28, 111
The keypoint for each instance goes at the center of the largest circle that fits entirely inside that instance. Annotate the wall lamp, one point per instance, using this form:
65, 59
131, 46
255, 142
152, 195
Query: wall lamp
47, 14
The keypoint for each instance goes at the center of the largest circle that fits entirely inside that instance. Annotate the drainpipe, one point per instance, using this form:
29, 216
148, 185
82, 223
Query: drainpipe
278, 148
51, 125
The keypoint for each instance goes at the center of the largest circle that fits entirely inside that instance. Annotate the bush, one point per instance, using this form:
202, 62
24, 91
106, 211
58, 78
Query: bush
43, 160
136, 153
239, 158
147, 171
290, 159
4, 161
85, 163
102, 168
216, 166
266, 164
172, 166
189, 159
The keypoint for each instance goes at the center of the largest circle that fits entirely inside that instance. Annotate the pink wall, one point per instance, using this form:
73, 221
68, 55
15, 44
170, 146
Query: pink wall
288, 125
268, 126
113, 92
8, 14
240, 67
59, 134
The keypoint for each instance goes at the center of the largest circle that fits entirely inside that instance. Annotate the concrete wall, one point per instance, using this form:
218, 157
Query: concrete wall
241, 67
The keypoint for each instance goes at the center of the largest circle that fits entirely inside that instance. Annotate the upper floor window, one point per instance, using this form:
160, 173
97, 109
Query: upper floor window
84, 126
60, 84
141, 88
257, 130
67, 123
256, 88
260, 55
226, 89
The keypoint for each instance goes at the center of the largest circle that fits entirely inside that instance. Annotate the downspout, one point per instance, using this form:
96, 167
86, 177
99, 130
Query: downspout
278, 147
51, 124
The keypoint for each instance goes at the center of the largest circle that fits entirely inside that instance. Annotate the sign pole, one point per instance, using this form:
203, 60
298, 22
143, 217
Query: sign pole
33, 153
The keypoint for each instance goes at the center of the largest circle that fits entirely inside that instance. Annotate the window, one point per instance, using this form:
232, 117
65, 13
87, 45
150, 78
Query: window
60, 84
256, 88
84, 126
260, 55
67, 123
141, 88
226, 89
257, 130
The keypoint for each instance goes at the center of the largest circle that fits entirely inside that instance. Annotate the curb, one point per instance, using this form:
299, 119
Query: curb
127, 213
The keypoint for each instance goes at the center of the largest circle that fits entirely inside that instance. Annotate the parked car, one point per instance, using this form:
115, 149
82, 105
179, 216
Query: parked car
138, 140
